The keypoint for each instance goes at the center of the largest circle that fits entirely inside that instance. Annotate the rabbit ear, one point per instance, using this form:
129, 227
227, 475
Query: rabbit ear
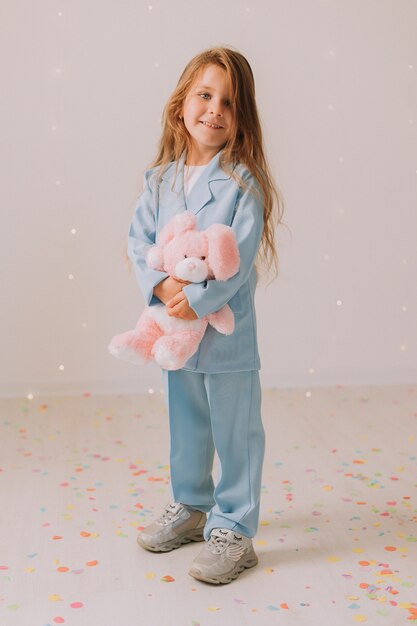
178, 224
223, 255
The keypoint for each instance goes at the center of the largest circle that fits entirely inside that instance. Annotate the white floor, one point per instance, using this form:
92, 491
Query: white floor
337, 540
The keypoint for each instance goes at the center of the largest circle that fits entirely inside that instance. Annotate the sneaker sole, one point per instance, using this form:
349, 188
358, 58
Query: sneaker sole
173, 544
224, 579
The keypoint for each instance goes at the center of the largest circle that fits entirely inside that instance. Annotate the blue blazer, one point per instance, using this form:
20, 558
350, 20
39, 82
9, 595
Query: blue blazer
215, 198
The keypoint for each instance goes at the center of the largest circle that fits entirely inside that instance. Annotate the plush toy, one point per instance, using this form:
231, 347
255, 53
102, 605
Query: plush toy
190, 255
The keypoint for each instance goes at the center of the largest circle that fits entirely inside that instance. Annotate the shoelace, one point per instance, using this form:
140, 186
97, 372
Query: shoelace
168, 514
217, 542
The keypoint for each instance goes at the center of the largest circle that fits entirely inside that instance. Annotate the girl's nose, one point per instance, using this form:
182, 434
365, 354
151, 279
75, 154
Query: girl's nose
216, 108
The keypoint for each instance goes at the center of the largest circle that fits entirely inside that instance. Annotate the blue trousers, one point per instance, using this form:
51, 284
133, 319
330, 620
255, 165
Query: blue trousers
221, 412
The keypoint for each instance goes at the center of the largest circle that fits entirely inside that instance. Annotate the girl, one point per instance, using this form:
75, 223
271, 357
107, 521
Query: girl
211, 162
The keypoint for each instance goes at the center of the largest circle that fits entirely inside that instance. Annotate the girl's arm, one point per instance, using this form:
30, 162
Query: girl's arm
168, 288
155, 286
205, 298
179, 307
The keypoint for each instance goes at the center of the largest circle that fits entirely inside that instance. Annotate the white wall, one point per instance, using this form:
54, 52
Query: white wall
84, 84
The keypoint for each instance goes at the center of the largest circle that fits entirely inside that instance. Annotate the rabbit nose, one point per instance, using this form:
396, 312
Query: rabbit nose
191, 265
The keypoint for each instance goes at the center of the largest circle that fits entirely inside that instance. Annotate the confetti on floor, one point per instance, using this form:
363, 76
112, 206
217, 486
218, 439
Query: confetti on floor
337, 538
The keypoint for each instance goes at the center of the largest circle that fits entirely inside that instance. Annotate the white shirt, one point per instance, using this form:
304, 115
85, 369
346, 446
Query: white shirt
191, 174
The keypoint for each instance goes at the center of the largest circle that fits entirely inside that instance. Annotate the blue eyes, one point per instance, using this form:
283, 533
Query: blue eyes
203, 95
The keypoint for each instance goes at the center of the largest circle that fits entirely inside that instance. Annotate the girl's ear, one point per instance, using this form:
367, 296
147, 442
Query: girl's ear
223, 252
178, 224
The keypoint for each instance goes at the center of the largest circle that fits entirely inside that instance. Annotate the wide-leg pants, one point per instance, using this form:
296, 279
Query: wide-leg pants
221, 412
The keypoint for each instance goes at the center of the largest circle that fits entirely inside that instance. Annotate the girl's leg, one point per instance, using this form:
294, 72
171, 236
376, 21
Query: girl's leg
192, 447
235, 403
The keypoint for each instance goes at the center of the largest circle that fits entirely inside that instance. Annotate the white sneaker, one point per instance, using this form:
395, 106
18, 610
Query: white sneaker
177, 525
224, 557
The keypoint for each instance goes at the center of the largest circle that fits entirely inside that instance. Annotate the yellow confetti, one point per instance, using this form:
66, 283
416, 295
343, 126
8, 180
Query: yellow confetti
360, 618
269, 570
150, 575
29, 570
261, 543
333, 559
357, 550
55, 598
328, 488
213, 608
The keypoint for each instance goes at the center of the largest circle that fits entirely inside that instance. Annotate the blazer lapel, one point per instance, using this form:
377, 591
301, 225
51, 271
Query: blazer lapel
201, 193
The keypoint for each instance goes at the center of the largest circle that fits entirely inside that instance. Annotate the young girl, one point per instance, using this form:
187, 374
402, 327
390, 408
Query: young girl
211, 162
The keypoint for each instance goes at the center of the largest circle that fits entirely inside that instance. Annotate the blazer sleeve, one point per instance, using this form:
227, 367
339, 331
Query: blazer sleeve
142, 235
208, 297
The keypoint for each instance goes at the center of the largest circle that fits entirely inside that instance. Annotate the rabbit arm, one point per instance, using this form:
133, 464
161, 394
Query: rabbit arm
223, 321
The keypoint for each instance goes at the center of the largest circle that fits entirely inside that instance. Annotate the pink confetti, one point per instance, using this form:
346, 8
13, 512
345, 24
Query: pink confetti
77, 605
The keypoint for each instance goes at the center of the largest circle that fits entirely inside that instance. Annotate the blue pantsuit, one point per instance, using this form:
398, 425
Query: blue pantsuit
214, 401
219, 411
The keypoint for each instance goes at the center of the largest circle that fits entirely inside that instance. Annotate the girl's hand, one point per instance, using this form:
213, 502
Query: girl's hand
178, 307
168, 288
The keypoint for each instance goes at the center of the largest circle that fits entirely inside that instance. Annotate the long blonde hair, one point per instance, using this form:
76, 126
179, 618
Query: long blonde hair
245, 143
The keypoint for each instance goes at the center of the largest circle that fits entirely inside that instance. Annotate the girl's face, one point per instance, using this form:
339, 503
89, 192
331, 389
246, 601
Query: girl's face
208, 114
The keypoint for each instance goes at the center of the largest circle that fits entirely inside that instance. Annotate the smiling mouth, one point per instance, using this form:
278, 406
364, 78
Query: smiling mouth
215, 126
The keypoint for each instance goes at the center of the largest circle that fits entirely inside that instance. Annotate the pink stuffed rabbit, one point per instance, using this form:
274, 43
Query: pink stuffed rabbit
194, 256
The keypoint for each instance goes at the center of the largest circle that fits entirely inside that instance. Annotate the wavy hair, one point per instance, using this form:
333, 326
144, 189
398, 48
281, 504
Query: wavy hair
245, 143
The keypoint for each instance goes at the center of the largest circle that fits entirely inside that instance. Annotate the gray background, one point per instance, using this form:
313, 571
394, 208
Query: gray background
83, 88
